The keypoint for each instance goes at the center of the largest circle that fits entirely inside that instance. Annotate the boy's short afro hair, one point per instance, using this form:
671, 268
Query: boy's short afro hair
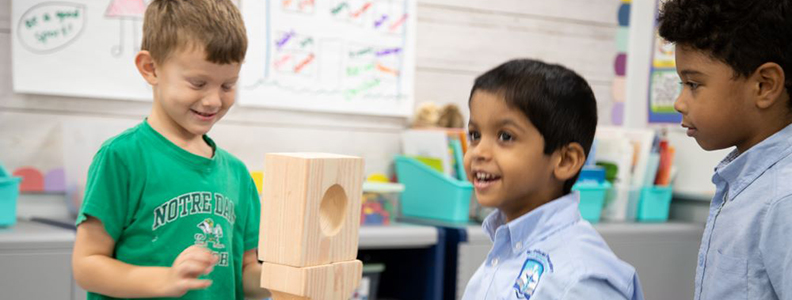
743, 34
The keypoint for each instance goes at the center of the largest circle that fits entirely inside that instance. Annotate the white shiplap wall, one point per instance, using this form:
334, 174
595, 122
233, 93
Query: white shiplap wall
456, 40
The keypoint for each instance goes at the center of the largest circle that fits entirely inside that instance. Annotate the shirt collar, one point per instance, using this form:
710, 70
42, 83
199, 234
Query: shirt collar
739, 170
537, 224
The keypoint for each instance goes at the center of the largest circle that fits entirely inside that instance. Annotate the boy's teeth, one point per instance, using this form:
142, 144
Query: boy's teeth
483, 176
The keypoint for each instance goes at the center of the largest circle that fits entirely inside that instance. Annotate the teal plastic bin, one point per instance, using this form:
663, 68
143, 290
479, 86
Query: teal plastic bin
654, 204
592, 199
9, 192
431, 194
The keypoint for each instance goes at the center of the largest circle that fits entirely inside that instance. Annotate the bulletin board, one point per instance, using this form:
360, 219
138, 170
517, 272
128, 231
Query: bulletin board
664, 83
353, 56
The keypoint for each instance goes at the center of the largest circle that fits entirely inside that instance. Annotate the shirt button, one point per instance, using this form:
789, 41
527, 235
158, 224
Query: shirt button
517, 246
494, 262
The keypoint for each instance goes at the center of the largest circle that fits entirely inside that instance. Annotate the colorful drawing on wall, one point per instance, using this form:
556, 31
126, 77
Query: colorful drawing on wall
50, 26
350, 56
351, 11
337, 56
79, 48
620, 63
300, 6
132, 11
664, 83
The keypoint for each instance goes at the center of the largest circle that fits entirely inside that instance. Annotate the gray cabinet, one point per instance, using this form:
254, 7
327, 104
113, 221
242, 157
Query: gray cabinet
35, 263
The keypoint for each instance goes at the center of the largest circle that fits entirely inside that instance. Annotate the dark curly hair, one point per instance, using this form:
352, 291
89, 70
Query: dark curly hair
744, 34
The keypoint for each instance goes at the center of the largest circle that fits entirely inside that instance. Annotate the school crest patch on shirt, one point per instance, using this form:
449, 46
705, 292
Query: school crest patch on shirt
536, 264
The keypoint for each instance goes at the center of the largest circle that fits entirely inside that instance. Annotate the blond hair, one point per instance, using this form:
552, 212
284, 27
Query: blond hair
215, 25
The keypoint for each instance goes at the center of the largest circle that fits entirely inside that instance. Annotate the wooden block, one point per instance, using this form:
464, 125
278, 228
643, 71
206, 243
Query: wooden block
310, 209
334, 281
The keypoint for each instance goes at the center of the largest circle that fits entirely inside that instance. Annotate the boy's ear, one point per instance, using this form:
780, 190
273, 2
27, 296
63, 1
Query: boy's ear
568, 160
146, 66
769, 86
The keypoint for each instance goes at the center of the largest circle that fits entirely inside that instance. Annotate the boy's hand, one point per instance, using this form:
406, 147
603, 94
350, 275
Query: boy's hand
183, 275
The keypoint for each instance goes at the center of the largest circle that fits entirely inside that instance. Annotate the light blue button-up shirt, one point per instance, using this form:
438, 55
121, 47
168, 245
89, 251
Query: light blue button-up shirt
746, 250
550, 253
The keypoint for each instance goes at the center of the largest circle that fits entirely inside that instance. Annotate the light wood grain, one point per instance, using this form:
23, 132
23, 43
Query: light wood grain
310, 208
334, 281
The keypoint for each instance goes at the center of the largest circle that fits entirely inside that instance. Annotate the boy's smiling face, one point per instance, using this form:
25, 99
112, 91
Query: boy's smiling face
191, 94
506, 161
716, 105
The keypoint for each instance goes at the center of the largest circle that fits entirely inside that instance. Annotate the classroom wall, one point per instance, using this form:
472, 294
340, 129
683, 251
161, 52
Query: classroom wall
456, 40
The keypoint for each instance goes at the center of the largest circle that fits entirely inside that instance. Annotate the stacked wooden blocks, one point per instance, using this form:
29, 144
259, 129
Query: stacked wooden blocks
310, 218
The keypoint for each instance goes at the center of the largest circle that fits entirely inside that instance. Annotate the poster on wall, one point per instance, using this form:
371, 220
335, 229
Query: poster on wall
348, 56
340, 56
78, 48
664, 83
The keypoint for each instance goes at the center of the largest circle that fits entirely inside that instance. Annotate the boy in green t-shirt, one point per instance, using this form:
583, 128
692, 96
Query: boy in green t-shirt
166, 212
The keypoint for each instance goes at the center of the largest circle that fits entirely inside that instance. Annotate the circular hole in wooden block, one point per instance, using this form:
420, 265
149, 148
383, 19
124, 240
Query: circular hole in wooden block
333, 210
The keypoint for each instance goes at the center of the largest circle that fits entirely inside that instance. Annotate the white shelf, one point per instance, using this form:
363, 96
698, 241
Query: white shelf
25, 235
397, 236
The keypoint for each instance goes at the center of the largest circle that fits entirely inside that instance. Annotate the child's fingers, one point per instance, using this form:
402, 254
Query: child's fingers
193, 269
194, 248
204, 256
186, 253
194, 284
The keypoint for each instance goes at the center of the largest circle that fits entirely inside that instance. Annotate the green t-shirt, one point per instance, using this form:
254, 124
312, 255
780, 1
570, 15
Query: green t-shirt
155, 199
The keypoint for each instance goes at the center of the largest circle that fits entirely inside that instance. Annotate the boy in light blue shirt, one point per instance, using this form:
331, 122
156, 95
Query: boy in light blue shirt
733, 56
531, 127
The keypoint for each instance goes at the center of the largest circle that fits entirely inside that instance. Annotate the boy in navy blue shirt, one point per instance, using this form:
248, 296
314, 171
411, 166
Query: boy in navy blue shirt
531, 128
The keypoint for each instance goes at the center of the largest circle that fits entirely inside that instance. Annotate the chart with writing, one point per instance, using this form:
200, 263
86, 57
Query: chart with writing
353, 56
78, 48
